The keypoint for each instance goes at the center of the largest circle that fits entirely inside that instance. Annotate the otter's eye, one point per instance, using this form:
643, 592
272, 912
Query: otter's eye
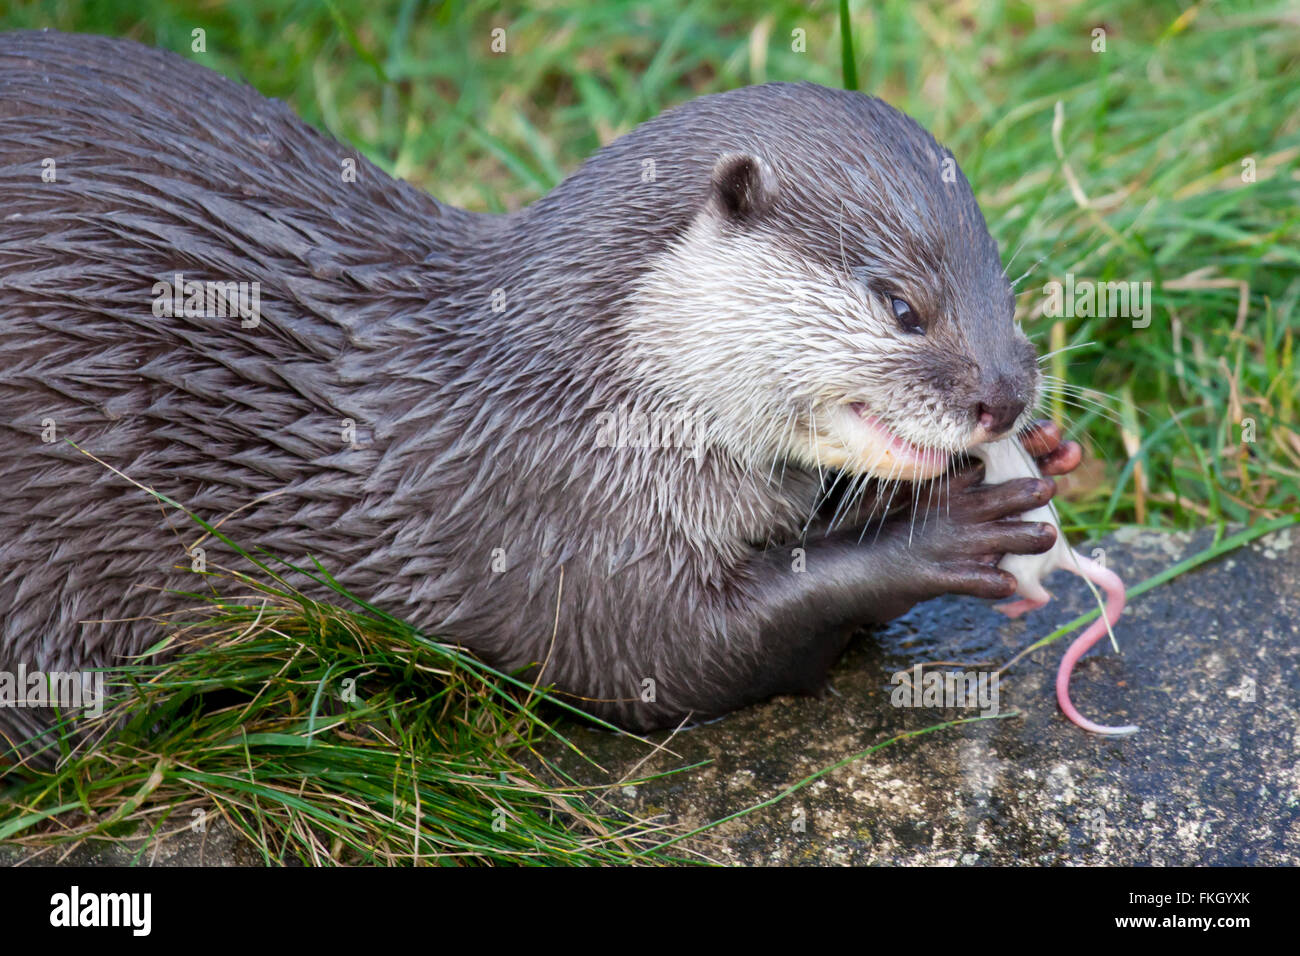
907, 319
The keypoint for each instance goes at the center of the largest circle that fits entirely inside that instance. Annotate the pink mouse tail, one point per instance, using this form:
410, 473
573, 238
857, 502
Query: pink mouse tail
1110, 584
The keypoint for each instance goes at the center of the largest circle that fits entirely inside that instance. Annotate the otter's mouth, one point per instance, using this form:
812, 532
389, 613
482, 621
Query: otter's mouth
886, 455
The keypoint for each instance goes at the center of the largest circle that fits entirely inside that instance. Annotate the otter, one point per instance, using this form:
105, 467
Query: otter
662, 439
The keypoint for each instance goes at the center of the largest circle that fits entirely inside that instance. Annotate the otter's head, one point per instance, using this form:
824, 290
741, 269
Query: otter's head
834, 298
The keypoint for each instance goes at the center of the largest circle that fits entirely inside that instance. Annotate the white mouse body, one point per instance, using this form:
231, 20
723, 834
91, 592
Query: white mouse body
1006, 460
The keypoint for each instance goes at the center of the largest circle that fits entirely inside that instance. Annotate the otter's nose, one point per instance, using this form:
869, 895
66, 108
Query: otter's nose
999, 409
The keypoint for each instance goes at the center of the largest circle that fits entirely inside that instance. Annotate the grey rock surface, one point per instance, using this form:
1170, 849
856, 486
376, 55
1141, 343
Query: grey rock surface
1209, 670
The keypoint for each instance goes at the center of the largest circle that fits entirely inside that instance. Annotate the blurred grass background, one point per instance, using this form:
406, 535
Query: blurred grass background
1122, 165
1153, 131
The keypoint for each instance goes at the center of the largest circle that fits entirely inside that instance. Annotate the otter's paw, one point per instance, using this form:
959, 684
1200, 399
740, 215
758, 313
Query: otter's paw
953, 545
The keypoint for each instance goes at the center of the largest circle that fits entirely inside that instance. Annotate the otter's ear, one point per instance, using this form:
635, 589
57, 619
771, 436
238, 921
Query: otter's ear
743, 185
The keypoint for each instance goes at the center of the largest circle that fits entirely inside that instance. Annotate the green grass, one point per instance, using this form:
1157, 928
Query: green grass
1123, 165
324, 735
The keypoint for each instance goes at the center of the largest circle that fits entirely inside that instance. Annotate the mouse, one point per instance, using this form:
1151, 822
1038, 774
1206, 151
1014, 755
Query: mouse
1006, 460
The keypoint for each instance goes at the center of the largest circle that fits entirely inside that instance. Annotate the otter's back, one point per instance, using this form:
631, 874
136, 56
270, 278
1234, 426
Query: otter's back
123, 167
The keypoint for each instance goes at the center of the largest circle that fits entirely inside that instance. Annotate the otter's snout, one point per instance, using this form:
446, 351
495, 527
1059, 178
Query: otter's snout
999, 408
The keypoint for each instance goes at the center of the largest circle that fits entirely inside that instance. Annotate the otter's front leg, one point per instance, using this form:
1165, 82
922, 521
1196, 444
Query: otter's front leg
798, 614
789, 616
787, 619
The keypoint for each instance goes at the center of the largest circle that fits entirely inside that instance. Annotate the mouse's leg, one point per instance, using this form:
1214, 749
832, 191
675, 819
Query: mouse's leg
1014, 609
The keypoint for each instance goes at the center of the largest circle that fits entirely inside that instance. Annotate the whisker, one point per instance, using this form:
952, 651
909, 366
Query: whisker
1065, 348
1024, 275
